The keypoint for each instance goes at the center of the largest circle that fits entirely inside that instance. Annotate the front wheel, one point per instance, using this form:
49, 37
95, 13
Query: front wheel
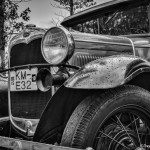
118, 119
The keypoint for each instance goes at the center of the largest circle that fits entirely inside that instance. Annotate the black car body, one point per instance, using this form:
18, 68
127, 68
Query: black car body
79, 89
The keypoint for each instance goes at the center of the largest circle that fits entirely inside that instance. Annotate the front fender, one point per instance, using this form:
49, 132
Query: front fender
108, 72
57, 113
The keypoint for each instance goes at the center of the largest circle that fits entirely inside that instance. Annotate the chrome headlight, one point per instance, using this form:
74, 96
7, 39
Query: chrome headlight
57, 45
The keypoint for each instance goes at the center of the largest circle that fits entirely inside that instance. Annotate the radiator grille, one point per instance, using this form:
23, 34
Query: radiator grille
22, 54
28, 104
81, 60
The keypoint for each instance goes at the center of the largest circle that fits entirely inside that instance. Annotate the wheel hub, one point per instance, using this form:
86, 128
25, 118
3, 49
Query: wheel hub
140, 148
126, 137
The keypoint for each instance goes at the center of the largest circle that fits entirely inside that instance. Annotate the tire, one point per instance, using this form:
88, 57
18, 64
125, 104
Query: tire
118, 119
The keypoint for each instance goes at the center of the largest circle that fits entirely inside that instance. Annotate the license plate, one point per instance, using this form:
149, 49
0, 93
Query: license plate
23, 80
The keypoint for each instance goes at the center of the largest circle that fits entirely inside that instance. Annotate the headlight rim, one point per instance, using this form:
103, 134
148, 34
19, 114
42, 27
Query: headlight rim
70, 45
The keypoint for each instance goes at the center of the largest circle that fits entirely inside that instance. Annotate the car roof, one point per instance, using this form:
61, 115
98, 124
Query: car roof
94, 11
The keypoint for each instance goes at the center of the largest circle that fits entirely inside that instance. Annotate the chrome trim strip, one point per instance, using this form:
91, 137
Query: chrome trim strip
4, 119
133, 46
112, 43
120, 44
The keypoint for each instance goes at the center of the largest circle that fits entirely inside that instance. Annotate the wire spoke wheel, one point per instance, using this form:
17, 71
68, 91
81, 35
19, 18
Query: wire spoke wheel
125, 130
118, 119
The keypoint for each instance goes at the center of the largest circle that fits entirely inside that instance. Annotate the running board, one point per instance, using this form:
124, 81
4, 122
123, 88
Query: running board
17, 144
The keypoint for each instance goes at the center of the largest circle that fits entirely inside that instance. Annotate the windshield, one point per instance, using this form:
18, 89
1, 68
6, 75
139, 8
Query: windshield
124, 21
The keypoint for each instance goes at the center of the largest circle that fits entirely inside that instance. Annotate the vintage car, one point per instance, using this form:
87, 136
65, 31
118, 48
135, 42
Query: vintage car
85, 84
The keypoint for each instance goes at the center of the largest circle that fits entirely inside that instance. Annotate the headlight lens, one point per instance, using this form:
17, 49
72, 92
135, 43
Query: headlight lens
57, 45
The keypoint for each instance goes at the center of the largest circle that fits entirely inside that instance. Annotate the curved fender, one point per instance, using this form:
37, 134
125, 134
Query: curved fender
108, 72
57, 113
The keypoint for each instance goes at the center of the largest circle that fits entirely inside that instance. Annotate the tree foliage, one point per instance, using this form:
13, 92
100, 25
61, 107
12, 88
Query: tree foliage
11, 21
74, 6
14, 21
1, 25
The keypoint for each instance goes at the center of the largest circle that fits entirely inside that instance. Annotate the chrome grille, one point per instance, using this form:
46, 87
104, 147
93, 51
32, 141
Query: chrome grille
29, 104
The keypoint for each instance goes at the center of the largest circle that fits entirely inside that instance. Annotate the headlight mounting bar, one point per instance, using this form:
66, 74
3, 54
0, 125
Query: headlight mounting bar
39, 65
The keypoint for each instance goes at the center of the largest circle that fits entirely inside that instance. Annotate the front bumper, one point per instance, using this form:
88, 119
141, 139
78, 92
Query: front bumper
16, 144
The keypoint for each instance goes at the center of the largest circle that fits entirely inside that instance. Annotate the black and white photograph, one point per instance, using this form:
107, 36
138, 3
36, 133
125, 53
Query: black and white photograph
74, 74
